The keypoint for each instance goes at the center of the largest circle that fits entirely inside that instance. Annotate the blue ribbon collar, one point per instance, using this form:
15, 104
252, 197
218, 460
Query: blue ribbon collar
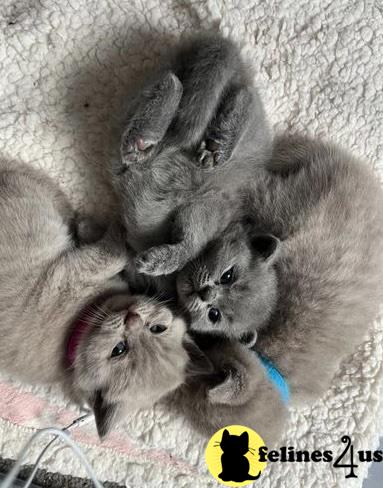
275, 377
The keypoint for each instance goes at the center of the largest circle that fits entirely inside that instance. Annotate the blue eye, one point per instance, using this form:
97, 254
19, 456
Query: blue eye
119, 349
227, 277
214, 315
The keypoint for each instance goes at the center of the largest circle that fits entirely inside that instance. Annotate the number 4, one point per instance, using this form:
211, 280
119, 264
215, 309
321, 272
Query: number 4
347, 440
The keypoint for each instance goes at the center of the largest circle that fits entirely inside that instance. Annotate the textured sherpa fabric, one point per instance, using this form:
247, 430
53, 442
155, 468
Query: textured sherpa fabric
67, 68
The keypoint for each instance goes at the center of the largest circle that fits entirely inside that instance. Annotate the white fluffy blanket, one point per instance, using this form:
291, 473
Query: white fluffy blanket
66, 68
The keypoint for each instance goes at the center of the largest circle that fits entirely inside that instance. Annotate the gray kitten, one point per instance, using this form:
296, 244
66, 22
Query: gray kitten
65, 315
195, 134
306, 269
238, 392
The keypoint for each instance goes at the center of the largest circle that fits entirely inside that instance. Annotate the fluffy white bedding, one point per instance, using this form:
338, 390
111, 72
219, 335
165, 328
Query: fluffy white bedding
66, 68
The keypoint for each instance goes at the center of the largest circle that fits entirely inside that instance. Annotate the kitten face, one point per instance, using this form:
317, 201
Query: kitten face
131, 356
230, 288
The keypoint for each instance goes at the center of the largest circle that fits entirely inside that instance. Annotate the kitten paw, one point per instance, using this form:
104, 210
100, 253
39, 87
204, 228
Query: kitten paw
208, 154
135, 149
148, 125
157, 261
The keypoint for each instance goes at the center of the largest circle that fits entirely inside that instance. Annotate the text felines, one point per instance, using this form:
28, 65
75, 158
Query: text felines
291, 455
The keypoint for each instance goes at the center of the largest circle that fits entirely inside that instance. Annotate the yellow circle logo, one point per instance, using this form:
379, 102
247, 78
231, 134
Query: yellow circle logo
232, 456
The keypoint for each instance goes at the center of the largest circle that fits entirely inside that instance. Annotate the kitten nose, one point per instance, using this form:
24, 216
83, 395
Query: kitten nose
130, 318
206, 293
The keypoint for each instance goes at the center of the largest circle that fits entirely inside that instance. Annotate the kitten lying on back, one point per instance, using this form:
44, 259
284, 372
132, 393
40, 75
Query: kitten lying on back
196, 133
305, 271
66, 317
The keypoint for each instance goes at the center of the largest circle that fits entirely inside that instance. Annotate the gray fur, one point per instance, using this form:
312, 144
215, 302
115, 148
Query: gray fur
194, 135
312, 303
246, 305
46, 281
238, 393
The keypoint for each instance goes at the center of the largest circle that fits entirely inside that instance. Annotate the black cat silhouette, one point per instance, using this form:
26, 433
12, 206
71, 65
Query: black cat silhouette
235, 466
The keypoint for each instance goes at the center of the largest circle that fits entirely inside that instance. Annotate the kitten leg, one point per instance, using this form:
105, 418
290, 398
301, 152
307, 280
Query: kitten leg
79, 270
196, 224
148, 124
205, 65
94, 262
226, 128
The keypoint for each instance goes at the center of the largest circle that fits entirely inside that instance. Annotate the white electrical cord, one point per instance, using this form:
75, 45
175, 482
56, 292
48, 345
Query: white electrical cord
76, 423
59, 433
38, 461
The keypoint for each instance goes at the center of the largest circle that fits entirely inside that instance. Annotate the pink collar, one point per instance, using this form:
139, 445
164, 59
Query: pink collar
79, 330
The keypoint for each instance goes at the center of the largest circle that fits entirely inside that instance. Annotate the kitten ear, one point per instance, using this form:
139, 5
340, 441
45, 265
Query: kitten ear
266, 246
232, 390
106, 414
199, 363
249, 339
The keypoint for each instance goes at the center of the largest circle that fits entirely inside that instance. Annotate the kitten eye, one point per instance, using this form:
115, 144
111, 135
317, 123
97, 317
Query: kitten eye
227, 277
214, 315
119, 349
157, 329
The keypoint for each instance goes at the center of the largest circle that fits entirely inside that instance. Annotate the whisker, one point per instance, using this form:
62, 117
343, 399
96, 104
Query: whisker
92, 312
101, 311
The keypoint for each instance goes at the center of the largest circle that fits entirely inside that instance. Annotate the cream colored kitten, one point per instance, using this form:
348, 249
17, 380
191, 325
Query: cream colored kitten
67, 317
